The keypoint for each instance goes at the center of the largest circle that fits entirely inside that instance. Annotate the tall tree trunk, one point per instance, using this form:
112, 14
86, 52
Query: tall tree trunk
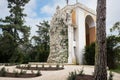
100, 58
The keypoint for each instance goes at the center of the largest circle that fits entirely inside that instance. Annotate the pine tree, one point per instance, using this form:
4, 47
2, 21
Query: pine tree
101, 60
42, 46
14, 31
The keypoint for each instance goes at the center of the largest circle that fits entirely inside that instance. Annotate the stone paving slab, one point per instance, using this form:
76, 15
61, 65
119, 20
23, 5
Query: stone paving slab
58, 75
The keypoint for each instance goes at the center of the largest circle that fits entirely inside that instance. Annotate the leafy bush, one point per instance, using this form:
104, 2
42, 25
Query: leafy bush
57, 66
3, 72
38, 73
28, 66
89, 54
43, 66
18, 66
81, 72
32, 71
16, 73
72, 75
36, 66
110, 76
22, 72
62, 65
113, 54
50, 66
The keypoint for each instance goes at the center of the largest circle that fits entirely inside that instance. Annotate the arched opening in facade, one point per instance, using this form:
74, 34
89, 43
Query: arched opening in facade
89, 30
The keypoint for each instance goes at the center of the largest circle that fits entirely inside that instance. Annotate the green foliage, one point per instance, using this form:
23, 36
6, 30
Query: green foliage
110, 75
62, 65
113, 54
16, 73
57, 66
90, 54
43, 66
12, 26
32, 71
36, 66
22, 72
3, 72
81, 72
114, 46
116, 28
41, 48
50, 66
72, 75
38, 73
117, 69
28, 66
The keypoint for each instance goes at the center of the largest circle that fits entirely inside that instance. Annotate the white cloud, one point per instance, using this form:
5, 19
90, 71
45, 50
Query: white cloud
30, 8
47, 10
50, 9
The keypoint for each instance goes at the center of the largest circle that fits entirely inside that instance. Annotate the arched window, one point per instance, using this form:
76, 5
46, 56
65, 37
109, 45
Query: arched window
90, 30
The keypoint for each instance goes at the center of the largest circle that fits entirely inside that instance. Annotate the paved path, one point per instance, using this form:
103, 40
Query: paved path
58, 75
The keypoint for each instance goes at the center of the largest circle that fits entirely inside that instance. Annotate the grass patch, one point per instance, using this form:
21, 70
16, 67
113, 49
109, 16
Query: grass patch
117, 69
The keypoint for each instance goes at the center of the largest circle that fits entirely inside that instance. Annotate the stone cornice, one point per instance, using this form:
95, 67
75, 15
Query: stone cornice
79, 5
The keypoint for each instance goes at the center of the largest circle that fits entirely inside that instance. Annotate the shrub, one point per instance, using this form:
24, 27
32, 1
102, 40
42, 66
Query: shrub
81, 72
72, 75
62, 65
38, 73
22, 72
3, 72
112, 53
36, 66
89, 54
16, 73
32, 71
57, 66
43, 66
50, 66
110, 76
18, 66
7, 70
28, 66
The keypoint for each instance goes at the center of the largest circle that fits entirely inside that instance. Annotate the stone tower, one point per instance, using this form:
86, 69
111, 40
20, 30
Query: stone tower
72, 28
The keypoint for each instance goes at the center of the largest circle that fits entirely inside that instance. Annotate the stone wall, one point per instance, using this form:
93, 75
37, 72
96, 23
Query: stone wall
58, 38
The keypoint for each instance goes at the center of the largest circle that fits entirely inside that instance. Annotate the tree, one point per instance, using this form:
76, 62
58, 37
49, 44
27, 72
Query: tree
116, 27
42, 48
112, 54
100, 60
114, 44
15, 33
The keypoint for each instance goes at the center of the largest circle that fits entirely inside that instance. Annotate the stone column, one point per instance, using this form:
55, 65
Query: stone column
71, 55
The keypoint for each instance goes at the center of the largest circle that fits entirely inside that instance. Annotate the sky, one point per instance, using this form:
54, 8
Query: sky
39, 10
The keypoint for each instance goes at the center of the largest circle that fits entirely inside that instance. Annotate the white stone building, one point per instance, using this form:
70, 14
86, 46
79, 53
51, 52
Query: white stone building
80, 21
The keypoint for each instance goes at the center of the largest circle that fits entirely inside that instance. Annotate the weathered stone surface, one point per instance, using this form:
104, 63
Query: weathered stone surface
58, 39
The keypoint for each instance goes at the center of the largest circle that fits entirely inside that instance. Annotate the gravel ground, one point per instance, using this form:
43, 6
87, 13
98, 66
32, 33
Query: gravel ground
57, 75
